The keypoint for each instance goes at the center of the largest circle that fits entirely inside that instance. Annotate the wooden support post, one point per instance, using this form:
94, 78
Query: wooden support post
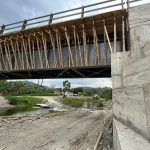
26, 55
61, 57
19, 53
85, 46
75, 42
22, 56
1, 68
105, 49
2, 58
10, 60
69, 48
123, 34
96, 46
78, 40
33, 54
8, 57
54, 48
14, 53
39, 52
108, 39
115, 36
58, 48
45, 50
30, 52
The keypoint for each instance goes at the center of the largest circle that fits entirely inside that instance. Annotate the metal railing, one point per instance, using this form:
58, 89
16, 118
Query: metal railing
79, 12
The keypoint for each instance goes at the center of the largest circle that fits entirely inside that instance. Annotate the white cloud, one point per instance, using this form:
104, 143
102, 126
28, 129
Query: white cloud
94, 82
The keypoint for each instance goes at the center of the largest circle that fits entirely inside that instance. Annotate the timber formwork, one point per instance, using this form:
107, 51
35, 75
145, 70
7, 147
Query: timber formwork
75, 48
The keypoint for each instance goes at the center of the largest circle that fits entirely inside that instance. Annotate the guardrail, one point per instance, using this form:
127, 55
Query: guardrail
78, 12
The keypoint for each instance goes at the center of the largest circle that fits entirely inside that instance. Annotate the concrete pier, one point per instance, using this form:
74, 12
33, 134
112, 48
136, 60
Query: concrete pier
131, 85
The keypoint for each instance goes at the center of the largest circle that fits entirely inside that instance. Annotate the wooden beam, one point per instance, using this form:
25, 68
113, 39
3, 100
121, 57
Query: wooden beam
115, 36
45, 49
54, 48
39, 52
58, 47
123, 33
69, 48
105, 49
26, 54
108, 39
78, 40
85, 45
75, 42
30, 51
7, 57
14, 53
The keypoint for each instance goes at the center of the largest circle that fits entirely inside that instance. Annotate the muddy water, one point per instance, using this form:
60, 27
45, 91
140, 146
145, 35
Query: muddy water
25, 110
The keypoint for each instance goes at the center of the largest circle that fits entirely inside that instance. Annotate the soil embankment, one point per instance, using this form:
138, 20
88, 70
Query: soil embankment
4, 103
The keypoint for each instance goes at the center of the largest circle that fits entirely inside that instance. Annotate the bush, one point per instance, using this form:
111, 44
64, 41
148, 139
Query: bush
24, 100
73, 102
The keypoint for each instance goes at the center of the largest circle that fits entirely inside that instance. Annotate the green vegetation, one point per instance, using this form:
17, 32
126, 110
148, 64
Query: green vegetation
23, 100
21, 104
25, 88
73, 102
66, 87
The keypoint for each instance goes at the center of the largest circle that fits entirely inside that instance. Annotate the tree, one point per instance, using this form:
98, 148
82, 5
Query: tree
66, 87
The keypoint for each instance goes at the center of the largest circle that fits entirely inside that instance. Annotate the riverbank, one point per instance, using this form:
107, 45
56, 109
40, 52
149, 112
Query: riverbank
74, 130
4, 103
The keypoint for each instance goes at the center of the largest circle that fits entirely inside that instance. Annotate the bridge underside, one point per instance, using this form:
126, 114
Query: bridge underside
74, 49
53, 73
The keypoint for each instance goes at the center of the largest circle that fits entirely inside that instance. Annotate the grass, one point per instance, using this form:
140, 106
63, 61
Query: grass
78, 102
21, 104
73, 102
24, 100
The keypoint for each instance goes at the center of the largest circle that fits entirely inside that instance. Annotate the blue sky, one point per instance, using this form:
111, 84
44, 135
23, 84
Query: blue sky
17, 10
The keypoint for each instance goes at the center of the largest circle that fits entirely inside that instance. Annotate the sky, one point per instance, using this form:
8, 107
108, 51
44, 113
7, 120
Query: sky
18, 10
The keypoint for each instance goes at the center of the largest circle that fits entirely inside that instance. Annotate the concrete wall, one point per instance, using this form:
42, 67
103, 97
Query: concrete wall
131, 75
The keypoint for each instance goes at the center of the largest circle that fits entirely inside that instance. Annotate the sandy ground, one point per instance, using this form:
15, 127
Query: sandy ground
4, 103
75, 130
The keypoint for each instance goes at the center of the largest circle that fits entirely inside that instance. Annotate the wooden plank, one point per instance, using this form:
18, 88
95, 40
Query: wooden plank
108, 39
85, 45
30, 52
78, 40
105, 49
39, 52
69, 48
19, 54
5, 66
123, 34
61, 57
75, 42
58, 47
33, 54
26, 55
7, 57
45, 49
115, 36
14, 53
54, 48
96, 45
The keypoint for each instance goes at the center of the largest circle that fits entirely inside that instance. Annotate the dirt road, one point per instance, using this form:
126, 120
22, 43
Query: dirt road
75, 130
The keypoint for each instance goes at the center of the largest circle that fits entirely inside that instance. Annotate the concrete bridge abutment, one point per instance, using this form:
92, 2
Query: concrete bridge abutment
131, 85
